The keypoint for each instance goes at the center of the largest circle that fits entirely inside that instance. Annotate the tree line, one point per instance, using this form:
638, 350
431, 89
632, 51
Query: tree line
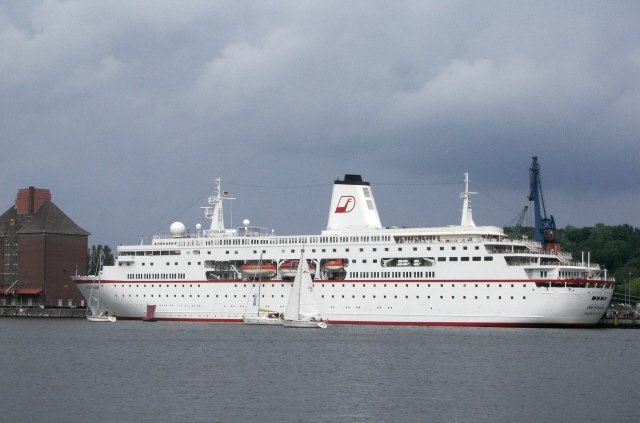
98, 256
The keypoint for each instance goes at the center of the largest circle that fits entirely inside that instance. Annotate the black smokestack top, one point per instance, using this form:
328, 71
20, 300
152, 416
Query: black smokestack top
351, 180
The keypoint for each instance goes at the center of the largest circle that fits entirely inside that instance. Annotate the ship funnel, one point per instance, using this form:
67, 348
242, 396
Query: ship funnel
352, 205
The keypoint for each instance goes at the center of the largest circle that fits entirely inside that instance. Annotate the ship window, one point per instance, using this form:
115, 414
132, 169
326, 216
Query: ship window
453, 258
464, 258
488, 258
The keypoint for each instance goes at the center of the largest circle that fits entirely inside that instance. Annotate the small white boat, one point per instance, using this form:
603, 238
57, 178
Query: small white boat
263, 319
302, 311
93, 309
311, 323
253, 314
101, 318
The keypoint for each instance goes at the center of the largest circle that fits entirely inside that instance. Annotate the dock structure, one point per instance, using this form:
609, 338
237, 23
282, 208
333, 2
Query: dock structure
620, 322
45, 312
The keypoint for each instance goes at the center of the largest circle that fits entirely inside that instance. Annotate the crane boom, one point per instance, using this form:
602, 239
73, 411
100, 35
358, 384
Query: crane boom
545, 227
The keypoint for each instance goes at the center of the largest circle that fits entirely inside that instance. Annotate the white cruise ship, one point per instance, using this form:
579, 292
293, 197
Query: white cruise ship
364, 273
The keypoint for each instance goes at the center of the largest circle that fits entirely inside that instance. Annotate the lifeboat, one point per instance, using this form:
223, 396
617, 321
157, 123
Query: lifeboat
335, 265
265, 270
288, 268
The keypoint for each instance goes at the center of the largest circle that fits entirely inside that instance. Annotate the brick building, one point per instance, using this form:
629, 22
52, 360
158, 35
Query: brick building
40, 249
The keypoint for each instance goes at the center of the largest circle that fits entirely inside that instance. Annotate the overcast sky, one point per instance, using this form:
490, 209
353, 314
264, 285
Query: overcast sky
127, 111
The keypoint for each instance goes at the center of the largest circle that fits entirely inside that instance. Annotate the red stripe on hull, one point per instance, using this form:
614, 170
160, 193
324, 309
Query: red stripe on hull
466, 324
364, 281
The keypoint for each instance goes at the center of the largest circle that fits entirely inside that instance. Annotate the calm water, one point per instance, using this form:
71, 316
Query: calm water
76, 371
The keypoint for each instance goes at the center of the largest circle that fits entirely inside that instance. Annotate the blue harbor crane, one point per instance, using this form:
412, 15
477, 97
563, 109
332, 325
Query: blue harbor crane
545, 227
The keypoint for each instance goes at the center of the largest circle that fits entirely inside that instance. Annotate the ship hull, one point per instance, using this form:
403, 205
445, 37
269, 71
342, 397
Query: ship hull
377, 302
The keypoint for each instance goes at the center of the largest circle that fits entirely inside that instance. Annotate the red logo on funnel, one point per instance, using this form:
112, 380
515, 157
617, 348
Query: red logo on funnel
346, 203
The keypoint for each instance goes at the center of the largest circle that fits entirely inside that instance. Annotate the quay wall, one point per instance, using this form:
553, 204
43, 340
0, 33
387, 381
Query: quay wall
58, 312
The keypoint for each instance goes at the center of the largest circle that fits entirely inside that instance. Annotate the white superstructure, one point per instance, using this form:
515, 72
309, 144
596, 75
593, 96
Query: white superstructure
364, 273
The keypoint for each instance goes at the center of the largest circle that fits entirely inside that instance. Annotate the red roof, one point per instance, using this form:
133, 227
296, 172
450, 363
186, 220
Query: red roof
21, 291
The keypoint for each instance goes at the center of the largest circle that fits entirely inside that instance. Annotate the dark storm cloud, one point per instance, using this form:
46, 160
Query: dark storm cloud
127, 111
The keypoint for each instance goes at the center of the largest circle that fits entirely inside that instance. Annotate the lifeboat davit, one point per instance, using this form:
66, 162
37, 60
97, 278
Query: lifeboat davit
266, 270
335, 265
288, 268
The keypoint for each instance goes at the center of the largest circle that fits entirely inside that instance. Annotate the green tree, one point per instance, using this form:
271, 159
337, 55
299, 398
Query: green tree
98, 255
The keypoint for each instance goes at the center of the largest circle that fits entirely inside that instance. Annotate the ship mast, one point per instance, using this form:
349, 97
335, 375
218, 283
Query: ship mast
467, 218
215, 212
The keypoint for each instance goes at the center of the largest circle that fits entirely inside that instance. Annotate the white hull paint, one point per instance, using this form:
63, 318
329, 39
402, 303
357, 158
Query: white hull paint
458, 275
